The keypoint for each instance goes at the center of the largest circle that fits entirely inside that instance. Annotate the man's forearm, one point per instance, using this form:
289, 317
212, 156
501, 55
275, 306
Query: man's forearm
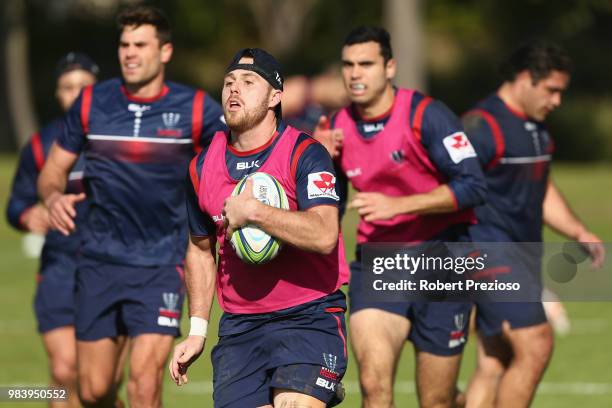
50, 183
200, 278
54, 174
438, 200
306, 230
559, 216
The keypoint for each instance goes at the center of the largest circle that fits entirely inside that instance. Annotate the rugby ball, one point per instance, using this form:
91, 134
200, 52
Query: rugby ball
252, 244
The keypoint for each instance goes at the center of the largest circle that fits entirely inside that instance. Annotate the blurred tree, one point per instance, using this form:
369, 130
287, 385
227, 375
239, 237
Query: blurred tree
6, 129
20, 107
280, 22
324, 32
466, 40
469, 38
404, 20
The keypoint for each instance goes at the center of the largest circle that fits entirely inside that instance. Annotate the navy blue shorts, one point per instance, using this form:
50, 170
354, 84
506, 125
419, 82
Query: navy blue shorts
302, 348
439, 328
512, 265
115, 300
54, 299
515, 264
490, 316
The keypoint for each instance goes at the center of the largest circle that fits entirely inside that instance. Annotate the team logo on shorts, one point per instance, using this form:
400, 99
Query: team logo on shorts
328, 378
330, 361
169, 315
322, 185
329, 374
328, 385
457, 337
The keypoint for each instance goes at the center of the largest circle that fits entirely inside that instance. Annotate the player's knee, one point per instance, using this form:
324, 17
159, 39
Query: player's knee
64, 373
537, 349
545, 341
144, 387
436, 399
94, 393
375, 386
490, 368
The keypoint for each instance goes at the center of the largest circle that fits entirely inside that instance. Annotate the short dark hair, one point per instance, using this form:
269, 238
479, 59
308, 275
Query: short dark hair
539, 57
365, 34
141, 15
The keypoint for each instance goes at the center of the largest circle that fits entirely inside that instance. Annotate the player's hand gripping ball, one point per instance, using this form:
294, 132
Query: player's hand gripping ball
251, 244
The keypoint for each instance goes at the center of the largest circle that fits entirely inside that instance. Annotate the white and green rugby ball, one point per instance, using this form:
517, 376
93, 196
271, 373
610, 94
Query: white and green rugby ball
251, 244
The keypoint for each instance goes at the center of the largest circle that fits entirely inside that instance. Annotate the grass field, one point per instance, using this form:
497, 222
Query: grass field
579, 375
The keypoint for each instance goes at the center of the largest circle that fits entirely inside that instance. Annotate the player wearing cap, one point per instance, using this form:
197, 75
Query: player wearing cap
507, 129
138, 134
54, 299
282, 336
416, 177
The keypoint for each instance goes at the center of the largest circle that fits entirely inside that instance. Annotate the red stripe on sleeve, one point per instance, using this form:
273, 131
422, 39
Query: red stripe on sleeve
37, 150
498, 136
86, 107
417, 122
298, 153
193, 174
197, 117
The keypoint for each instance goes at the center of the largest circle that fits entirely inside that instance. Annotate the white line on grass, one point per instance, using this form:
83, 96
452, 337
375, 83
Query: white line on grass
582, 327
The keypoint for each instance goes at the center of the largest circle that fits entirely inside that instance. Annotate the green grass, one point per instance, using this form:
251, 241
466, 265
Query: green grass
579, 374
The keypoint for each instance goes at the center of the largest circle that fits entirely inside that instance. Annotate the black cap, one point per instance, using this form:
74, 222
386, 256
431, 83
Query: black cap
73, 61
263, 64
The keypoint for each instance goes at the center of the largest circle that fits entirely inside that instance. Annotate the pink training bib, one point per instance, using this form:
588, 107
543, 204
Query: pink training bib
395, 163
295, 276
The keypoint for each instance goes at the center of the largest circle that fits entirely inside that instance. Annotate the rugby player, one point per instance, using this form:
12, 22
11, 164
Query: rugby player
282, 335
507, 129
54, 300
417, 178
138, 134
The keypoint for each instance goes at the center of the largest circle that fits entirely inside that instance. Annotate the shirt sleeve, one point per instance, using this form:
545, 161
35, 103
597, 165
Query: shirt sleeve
451, 151
200, 223
481, 137
23, 190
315, 178
72, 137
341, 189
212, 120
